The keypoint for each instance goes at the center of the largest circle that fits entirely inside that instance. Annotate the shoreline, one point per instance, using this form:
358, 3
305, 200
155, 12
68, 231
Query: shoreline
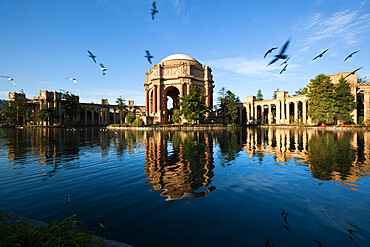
12, 218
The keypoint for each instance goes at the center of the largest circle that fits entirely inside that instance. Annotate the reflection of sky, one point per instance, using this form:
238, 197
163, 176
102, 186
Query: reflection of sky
106, 178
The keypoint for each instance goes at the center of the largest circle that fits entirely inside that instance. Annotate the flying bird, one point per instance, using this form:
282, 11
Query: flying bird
350, 55
102, 224
72, 79
148, 56
285, 61
9, 78
92, 56
281, 54
353, 72
103, 69
320, 55
154, 9
269, 51
284, 69
285, 216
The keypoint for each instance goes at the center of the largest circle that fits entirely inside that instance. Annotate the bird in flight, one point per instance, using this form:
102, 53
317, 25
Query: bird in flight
148, 56
103, 69
9, 78
353, 72
92, 56
320, 55
269, 51
281, 54
102, 224
72, 79
154, 9
285, 62
284, 69
350, 55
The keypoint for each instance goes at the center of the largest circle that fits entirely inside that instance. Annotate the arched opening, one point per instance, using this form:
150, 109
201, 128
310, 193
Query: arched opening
172, 102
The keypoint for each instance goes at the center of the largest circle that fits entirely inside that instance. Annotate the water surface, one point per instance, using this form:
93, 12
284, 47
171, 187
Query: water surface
194, 188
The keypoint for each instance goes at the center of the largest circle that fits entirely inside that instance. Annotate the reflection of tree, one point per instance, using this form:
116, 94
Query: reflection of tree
230, 145
328, 154
185, 169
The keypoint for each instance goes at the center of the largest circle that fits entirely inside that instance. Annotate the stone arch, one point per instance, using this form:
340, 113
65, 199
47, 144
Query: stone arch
173, 93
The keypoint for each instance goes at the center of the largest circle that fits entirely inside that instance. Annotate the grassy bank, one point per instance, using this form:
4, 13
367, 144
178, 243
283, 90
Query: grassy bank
16, 231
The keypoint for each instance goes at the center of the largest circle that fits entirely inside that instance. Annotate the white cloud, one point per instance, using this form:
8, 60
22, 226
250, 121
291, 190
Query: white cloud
178, 4
345, 26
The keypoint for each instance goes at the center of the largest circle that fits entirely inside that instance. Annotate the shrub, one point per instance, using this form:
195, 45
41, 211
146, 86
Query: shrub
138, 122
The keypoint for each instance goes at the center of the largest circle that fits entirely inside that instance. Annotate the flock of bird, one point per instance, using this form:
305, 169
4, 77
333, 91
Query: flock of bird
285, 57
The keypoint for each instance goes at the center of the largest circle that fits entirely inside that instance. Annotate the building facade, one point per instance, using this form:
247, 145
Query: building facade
170, 80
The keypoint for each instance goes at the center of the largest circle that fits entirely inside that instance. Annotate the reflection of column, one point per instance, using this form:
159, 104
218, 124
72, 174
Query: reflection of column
296, 111
278, 112
367, 145
288, 113
304, 111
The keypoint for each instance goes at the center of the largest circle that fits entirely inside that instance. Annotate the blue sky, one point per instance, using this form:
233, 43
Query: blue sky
45, 41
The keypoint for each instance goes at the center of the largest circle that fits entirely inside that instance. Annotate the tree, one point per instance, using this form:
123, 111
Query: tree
194, 105
344, 102
16, 111
176, 116
259, 95
321, 100
71, 105
275, 93
121, 107
47, 114
130, 118
301, 91
221, 102
231, 102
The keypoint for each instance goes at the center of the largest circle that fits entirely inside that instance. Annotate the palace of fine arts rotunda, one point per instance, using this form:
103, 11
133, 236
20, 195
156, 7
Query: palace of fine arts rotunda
171, 78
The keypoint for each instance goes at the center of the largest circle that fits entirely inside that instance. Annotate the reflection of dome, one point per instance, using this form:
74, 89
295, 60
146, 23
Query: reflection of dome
179, 57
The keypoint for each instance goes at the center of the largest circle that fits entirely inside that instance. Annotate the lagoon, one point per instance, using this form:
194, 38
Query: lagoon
194, 188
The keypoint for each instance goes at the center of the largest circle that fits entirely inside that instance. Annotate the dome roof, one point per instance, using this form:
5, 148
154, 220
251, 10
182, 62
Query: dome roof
179, 57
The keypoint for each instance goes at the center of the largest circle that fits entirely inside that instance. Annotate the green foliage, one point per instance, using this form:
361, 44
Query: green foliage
130, 118
71, 105
121, 107
362, 80
176, 116
344, 102
301, 91
69, 232
228, 104
138, 122
259, 96
16, 111
321, 100
275, 93
193, 105
48, 114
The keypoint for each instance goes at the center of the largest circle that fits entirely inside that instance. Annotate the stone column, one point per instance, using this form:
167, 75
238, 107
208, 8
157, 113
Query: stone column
114, 115
296, 111
283, 112
278, 104
155, 99
247, 113
255, 114
304, 111
367, 107
92, 116
181, 93
147, 101
159, 99
99, 116
354, 112
263, 114
287, 113
207, 93
269, 115
187, 88
85, 116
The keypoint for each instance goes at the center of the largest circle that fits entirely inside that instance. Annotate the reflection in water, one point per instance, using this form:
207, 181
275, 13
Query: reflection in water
180, 172
181, 163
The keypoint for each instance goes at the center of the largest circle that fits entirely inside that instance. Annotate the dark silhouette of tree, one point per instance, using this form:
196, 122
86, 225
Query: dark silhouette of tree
194, 105
344, 102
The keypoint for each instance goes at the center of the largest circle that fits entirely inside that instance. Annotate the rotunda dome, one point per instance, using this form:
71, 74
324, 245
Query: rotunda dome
179, 57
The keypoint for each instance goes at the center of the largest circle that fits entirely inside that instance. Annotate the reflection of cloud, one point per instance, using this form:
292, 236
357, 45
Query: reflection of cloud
345, 25
251, 67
